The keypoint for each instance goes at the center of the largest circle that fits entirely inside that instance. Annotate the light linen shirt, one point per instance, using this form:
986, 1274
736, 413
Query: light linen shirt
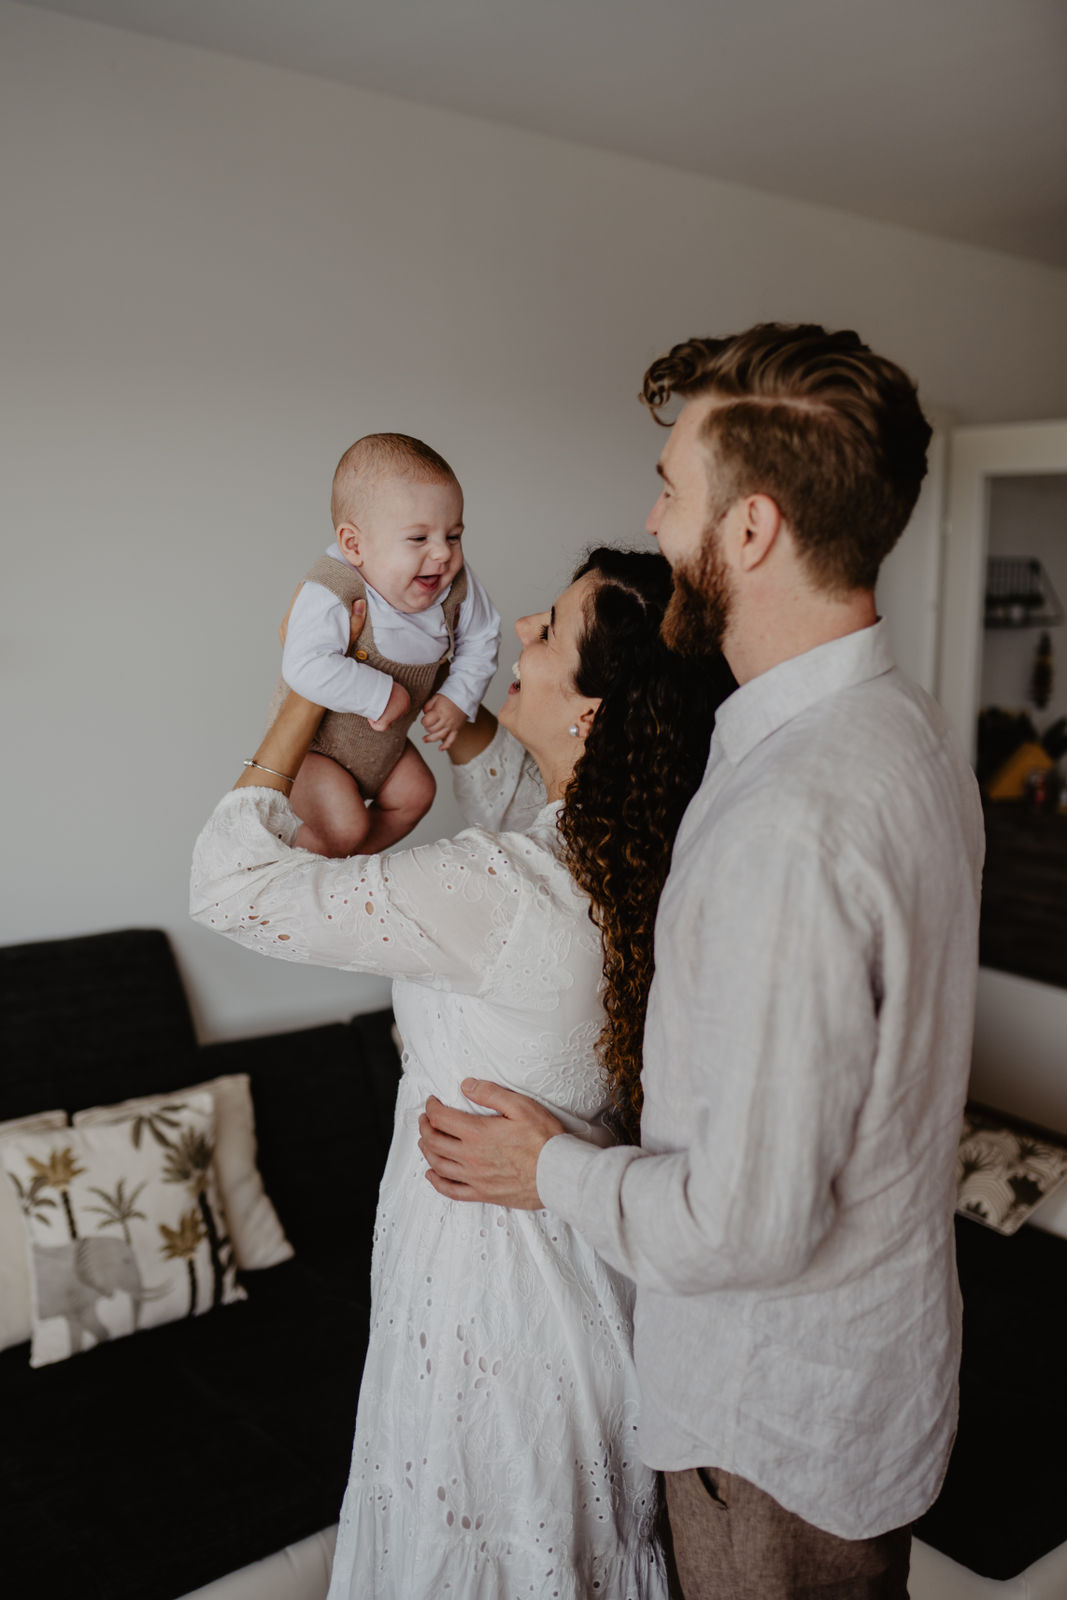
316, 664
788, 1218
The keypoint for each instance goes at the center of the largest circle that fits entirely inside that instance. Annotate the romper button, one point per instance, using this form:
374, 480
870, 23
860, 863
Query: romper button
361, 655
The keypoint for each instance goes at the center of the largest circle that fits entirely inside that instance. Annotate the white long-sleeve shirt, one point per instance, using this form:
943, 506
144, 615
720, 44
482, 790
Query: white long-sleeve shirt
788, 1217
315, 661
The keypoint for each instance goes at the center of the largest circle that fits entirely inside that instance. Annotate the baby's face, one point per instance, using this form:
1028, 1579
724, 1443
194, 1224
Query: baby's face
409, 542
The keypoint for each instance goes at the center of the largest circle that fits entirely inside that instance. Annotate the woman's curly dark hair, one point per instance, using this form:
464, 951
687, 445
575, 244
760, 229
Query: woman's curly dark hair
643, 761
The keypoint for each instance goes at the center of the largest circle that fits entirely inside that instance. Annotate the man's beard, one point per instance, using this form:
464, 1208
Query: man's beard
697, 614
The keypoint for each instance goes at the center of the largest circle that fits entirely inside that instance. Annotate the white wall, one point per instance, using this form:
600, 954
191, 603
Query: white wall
215, 276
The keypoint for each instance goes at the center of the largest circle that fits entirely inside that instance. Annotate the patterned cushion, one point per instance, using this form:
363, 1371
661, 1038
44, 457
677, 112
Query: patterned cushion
136, 1238
1003, 1172
258, 1238
14, 1272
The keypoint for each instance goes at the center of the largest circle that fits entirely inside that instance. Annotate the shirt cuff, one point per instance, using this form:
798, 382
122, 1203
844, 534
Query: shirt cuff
563, 1171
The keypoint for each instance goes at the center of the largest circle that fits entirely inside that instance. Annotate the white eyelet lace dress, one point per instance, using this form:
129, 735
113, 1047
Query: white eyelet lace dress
494, 1448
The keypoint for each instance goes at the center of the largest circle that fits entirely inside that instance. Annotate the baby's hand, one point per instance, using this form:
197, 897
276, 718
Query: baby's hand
442, 720
398, 702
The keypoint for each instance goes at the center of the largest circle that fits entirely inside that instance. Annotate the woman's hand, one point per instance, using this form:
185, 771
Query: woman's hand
356, 624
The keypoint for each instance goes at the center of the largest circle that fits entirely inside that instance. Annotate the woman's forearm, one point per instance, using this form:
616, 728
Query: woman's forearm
284, 746
473, 738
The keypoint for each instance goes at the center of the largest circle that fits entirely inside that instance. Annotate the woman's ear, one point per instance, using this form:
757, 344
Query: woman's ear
349, 540
584, 720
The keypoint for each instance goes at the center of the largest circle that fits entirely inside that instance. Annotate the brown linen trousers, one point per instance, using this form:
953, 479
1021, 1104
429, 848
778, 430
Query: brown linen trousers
732, 1541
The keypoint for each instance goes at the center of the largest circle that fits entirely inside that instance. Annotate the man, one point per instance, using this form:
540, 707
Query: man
788, 1216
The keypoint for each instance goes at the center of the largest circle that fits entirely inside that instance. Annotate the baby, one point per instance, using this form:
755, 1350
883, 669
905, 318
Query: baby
430, 643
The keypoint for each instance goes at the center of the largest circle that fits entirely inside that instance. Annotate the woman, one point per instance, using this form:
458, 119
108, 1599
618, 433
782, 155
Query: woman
493, 1455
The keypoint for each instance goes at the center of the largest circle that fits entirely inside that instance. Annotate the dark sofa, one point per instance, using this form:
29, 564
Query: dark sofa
147, 1467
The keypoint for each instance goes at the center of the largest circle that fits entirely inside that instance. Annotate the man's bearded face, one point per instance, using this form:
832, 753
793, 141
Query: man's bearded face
698, 613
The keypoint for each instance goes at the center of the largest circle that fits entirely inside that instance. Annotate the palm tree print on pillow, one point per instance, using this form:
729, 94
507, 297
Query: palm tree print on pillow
32, 1203
118, 1209
181, 1244
158, 1121
189, 1162
59, 1172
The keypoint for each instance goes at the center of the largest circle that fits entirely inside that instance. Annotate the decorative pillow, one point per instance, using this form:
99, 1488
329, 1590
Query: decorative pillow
258, 1237
136, 1237
15, 1198
1003, 1172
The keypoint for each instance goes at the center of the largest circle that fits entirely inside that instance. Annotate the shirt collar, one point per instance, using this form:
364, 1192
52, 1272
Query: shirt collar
766, 703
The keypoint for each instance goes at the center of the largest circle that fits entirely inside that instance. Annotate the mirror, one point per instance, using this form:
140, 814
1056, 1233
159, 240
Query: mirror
1021, 733
1019, 1063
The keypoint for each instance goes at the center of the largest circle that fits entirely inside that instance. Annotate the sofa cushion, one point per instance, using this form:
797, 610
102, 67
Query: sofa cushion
1004, 1500
15, 1317
257, 1236
197, 1447
78, 1017
324, 1102
1005, 1170
139, 1237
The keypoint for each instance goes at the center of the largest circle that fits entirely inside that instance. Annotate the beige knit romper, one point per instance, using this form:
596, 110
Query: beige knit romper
349, 739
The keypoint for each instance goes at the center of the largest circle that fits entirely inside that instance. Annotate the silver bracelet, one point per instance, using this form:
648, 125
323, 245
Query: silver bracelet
261, 768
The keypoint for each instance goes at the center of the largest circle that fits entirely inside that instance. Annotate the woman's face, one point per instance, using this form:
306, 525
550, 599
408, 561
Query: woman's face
542, 703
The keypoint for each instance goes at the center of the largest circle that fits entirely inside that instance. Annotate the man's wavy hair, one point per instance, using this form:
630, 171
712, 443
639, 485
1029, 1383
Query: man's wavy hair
643, 760
831, 432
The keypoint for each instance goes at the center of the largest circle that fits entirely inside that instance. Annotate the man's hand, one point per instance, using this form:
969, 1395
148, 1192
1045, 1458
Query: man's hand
442, 720
493, 1159
398, 702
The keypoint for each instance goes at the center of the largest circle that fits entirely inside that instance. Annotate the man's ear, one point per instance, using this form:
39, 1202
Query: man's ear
349, 540
760, 522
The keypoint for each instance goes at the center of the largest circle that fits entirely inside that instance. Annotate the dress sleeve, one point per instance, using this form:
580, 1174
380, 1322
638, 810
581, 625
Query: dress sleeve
439, 914
501, 789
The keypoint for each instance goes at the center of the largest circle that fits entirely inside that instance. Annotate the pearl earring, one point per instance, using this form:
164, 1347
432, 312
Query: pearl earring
573, 730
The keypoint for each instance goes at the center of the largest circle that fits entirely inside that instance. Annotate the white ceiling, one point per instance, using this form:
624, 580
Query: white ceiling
945, 115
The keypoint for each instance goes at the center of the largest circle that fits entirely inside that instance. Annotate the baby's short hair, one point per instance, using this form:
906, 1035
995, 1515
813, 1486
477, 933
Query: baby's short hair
378, 456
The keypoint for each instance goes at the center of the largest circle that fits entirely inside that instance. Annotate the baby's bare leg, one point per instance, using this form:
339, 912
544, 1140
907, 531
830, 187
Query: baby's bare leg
402, 801
334, 819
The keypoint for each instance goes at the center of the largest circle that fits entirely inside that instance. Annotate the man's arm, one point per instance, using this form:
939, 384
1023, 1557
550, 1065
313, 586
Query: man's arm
769, 1019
